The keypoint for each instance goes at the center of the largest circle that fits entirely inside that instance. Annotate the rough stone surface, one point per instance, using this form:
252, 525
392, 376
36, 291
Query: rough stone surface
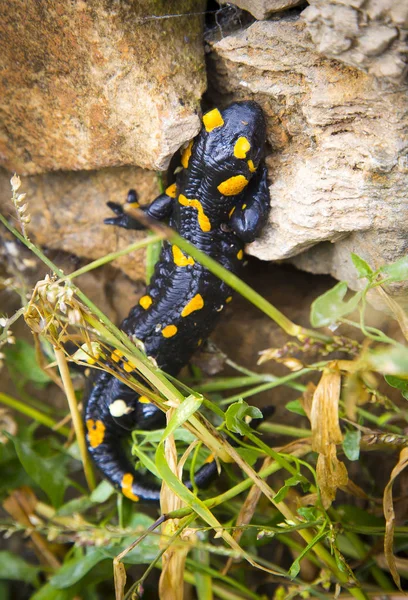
262, 9
86, 85
67, 211
339, 165
369, 34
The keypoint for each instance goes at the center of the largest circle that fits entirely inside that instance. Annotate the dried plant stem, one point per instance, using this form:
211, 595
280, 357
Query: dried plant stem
76, 416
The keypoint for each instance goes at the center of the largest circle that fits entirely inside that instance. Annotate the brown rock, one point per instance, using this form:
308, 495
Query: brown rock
87, 85
338, 168
67, 211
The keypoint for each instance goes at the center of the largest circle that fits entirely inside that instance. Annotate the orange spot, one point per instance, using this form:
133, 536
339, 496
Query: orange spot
169, 331
209, 459
195, 303
231, 212
127, 482
233, 185
171, 190
202, 218
240, 255
213, 119
96, 432
185, 157
180, 259
145, 302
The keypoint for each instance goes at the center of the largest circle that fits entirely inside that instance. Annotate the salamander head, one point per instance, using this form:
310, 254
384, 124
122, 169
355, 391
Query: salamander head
235, 138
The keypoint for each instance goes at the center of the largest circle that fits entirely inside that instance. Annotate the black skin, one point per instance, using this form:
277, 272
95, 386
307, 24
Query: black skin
234, 220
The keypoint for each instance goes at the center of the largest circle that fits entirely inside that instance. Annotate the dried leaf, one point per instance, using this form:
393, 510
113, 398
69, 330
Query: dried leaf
355, 394
324, 416
389, 515
171, 582
246, 513
399, 313
331, 474
307, 398
119, 574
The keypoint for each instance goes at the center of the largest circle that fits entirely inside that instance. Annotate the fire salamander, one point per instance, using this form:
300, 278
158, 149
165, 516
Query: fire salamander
219, 202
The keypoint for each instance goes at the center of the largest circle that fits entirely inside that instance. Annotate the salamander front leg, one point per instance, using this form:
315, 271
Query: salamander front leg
250, 217
160, 209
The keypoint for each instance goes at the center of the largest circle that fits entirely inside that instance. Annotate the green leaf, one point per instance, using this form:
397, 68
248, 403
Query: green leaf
250, 456
102, 492
389, 361
143, 553
22, 360
291, 482
48, 592
238, 415
351, 444
310, 513
48, 473
296, 407
398, 383
295, 568
396, 271
14, 567
77, 505
328, 308
362, 267
75, 569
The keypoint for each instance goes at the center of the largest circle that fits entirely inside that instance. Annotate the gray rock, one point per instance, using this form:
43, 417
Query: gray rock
262, 9
339, 164
370, 35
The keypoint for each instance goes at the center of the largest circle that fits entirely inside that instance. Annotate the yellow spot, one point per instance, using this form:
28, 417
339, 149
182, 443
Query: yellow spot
129, 367
180, 259
244, 206
145, 302
132, 205
228, 300
213, 119
200, 341
202, 218
195, 303
116, 355
251, 166
169, 331
240, 255
209, 459
172, 190
231, 212
185, 157
144, 400
233, 185
96, 432
242, 146
127, 482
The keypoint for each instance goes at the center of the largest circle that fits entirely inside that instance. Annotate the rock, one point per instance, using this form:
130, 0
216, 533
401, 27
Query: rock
369, 35
262, 9
67, 212
339, 165
87, 85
